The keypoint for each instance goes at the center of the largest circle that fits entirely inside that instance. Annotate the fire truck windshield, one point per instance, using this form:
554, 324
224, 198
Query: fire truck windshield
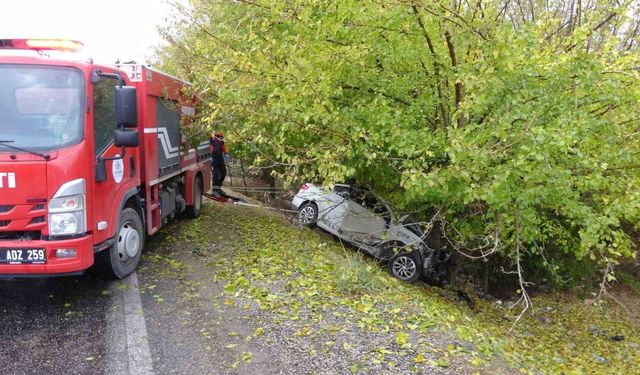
41, 107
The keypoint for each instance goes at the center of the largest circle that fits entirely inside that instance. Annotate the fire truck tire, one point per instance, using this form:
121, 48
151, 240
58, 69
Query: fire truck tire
122, 258
195, 210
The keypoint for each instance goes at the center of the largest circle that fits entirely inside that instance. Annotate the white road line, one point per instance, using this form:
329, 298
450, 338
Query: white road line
137, 339
127, 341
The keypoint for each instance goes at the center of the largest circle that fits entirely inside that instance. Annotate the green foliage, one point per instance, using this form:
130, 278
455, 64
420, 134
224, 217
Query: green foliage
520, 124
195, 132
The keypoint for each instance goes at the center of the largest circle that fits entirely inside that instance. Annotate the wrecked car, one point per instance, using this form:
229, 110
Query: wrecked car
357, 216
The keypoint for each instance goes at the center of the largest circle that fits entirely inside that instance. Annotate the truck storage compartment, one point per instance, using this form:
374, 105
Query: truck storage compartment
168, 119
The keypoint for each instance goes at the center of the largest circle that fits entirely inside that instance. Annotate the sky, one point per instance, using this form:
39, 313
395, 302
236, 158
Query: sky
109, 30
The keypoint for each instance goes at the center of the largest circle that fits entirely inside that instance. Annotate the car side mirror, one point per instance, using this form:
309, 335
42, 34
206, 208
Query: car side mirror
125, 138
126, 107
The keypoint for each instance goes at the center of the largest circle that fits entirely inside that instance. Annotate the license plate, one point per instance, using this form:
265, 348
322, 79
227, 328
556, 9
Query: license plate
23, 256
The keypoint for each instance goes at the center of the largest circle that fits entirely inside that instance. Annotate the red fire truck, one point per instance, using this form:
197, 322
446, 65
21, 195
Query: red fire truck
91, 161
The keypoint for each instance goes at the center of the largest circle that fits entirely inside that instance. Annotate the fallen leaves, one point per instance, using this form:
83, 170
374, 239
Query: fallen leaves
294, 278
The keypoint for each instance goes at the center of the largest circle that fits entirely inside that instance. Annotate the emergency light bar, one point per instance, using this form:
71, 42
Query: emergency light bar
41, 44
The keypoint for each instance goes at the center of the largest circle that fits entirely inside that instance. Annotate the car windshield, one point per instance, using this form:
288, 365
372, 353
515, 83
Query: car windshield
41, 107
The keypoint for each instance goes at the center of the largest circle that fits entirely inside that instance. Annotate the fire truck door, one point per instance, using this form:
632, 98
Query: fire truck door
119, 176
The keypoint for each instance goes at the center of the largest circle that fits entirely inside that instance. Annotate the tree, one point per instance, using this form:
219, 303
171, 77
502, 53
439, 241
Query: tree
516, 121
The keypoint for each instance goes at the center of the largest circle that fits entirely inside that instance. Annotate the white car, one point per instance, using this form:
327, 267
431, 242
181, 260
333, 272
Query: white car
355, 215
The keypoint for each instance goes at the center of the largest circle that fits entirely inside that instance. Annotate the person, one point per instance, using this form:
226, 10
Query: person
218, 154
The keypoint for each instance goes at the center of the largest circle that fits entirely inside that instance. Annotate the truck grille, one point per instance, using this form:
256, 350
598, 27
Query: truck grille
22, 222
20, 236
36, 220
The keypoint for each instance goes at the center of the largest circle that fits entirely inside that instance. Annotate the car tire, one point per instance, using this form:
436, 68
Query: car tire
122, 258
308, 214
405, 266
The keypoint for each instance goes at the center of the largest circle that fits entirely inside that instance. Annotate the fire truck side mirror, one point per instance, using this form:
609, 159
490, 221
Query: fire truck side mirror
126, 107
125, 138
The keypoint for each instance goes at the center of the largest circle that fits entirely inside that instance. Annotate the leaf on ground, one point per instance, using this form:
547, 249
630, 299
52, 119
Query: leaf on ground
247, 356
476, 361
402, 339
305, 331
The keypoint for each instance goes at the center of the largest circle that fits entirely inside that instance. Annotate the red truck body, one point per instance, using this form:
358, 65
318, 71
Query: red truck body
64, 203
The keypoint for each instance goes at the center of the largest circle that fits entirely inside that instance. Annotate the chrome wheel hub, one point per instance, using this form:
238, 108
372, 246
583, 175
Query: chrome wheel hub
128, 244
404, 267
307, 215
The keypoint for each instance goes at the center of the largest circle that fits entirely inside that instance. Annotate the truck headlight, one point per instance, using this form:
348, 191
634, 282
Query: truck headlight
67, 213
67, 216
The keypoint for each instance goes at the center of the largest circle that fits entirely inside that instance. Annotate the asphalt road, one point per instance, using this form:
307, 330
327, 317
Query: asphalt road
54, 325
79, 325
87, 325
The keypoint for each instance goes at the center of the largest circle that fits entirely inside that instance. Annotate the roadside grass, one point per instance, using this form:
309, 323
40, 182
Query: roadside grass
302, 276
356, 275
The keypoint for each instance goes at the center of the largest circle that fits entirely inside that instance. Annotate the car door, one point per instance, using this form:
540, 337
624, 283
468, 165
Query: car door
363, 222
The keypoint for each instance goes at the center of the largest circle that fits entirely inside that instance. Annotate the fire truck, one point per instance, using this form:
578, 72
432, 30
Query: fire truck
92, 161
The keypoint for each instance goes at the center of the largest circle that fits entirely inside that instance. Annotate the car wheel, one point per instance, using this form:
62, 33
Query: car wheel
122, 258
308, 214
405, 266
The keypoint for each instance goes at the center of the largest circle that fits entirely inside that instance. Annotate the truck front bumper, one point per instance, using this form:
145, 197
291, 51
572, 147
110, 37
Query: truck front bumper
54, 266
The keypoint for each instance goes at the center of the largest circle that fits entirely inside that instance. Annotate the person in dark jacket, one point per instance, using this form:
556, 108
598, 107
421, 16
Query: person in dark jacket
218, 154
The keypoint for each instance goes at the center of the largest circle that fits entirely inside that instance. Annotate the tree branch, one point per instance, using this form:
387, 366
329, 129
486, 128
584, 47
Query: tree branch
445, 117
454, 63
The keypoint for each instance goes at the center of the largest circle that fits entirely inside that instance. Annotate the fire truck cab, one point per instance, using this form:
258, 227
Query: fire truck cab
91, 161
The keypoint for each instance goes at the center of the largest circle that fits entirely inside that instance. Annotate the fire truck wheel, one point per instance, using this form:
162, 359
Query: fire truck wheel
195, 210
122, 258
